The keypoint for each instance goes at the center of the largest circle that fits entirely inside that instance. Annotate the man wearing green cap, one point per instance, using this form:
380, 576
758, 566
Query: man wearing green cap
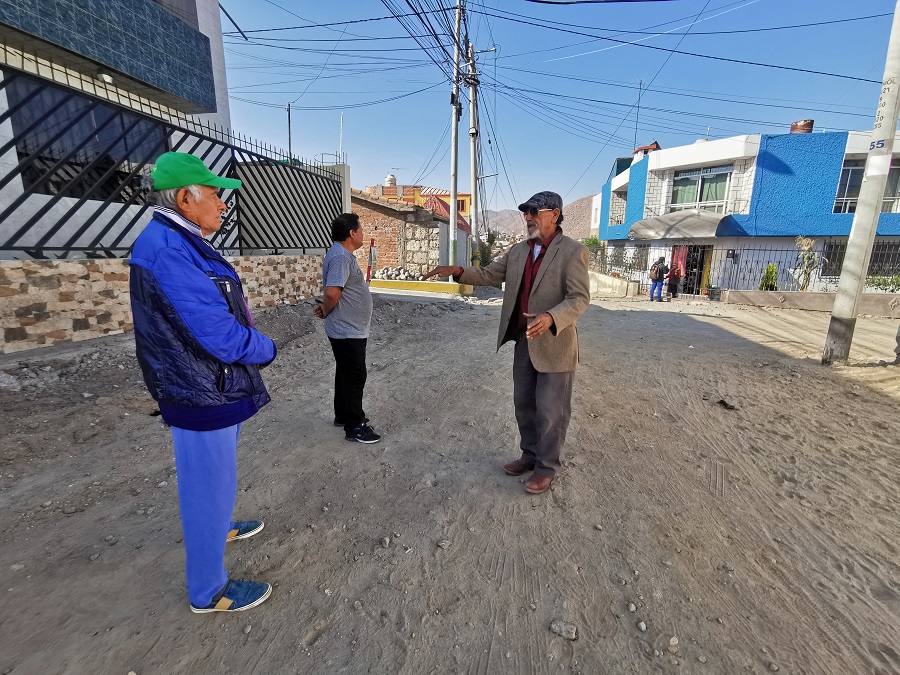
200, 355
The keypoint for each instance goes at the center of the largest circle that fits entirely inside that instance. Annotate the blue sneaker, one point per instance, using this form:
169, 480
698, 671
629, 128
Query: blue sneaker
244, 529
236, 597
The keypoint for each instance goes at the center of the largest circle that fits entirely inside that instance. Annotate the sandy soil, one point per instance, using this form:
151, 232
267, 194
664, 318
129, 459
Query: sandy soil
727, 505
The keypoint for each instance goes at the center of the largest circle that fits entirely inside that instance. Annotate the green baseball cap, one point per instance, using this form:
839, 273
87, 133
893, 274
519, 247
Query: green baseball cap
179, 169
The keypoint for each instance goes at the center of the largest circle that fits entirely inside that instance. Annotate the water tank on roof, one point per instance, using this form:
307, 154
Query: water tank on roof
802, 126
390, 179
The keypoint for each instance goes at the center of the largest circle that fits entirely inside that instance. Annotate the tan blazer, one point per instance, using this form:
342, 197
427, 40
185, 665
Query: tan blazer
561, 288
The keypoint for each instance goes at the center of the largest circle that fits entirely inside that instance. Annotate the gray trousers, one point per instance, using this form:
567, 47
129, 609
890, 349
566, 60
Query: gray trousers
543, 403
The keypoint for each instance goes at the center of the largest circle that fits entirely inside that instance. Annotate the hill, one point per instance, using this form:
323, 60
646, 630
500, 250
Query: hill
577, 223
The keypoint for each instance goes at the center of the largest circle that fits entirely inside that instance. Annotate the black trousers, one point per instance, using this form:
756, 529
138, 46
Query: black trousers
349, 380
543, 403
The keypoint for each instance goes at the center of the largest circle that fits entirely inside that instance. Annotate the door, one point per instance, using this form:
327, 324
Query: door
696, 268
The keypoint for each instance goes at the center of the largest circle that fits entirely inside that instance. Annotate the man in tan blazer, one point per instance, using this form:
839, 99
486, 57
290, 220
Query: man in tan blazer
547, 289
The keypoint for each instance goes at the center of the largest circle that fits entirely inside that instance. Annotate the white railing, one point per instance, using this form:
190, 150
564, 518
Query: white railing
848, 205
717, 206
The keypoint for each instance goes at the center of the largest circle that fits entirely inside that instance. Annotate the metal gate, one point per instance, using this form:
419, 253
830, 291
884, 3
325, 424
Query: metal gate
74, 178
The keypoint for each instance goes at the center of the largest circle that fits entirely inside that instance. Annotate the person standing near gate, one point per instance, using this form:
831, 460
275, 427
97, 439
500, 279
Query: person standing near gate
200, 356
347, 310
658, 273
547, 289
674, 277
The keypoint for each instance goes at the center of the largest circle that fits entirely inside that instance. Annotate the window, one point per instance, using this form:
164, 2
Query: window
701, 189
851, 182
460, 205
885, 259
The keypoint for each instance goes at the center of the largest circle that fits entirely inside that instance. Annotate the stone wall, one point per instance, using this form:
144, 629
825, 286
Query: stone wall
43, 302
659, 192
617, 204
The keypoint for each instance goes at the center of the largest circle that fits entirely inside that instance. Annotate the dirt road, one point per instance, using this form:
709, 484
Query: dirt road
727, 506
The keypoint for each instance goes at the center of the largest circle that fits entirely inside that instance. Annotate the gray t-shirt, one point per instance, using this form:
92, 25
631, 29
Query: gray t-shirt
352, 315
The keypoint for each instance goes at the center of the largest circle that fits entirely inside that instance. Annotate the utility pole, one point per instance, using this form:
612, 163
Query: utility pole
472, 81
637, 117
448, 244
868, 208
290, 154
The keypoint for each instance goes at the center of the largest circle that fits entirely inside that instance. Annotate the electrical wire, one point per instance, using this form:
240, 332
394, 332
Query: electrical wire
326, 25
692, 93
653, 79
426, 163
337, 107
683, 53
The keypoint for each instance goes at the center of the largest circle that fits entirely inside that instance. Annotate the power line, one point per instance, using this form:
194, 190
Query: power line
692, 93
717, 32
421, 174
337, 107
333, 23
675, 51
650, 84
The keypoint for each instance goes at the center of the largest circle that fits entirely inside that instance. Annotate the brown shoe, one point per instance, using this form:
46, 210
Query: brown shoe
538, 484
518, 467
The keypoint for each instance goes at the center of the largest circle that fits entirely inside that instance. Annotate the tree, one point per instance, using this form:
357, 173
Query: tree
808, 261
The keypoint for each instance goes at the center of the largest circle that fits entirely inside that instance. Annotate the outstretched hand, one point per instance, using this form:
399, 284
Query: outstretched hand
541, 324
444, 271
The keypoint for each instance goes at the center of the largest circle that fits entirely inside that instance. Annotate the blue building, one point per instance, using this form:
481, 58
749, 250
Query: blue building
724, 210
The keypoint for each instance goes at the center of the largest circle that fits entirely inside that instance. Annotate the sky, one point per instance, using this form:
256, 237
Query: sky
559, 93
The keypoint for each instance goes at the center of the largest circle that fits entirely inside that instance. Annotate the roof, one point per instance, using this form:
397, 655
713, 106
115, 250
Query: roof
441, 207
395, 205
688, 224
653, 146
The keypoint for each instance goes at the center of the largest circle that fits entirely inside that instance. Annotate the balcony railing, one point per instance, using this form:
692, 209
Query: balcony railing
717, 206
848, 205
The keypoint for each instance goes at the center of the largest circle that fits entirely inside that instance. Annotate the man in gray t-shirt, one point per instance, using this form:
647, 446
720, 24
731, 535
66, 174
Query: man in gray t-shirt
347, 310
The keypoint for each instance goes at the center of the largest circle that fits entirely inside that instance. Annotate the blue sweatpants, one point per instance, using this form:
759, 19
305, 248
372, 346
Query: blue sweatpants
207, 487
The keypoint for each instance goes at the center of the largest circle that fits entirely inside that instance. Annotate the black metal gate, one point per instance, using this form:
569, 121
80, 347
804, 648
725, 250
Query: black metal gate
78, 178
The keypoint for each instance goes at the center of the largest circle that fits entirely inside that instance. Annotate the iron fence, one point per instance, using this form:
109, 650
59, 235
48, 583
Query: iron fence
745, 266
77, 180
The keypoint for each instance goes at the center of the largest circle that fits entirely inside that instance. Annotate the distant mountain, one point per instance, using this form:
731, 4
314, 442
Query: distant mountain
577, 222
507, 221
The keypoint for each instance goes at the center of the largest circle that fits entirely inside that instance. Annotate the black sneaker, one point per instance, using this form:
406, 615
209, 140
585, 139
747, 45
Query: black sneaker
363, 434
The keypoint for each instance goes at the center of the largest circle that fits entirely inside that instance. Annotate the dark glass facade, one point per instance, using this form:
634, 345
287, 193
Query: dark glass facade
75, 145
138, 38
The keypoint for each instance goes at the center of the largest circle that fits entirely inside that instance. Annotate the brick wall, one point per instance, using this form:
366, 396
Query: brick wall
43, 302
402, 238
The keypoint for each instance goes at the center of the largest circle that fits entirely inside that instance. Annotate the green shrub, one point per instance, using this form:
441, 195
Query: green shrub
769, 281
886, 284
592, 243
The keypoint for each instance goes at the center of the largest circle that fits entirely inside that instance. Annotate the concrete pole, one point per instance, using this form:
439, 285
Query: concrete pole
865, 222
290, 155
473, 149
454, 147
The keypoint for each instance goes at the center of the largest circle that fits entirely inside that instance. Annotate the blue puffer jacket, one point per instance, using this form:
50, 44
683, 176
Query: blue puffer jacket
196, 345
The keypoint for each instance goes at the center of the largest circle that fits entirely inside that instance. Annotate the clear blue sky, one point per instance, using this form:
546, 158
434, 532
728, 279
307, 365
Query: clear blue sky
558, 102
